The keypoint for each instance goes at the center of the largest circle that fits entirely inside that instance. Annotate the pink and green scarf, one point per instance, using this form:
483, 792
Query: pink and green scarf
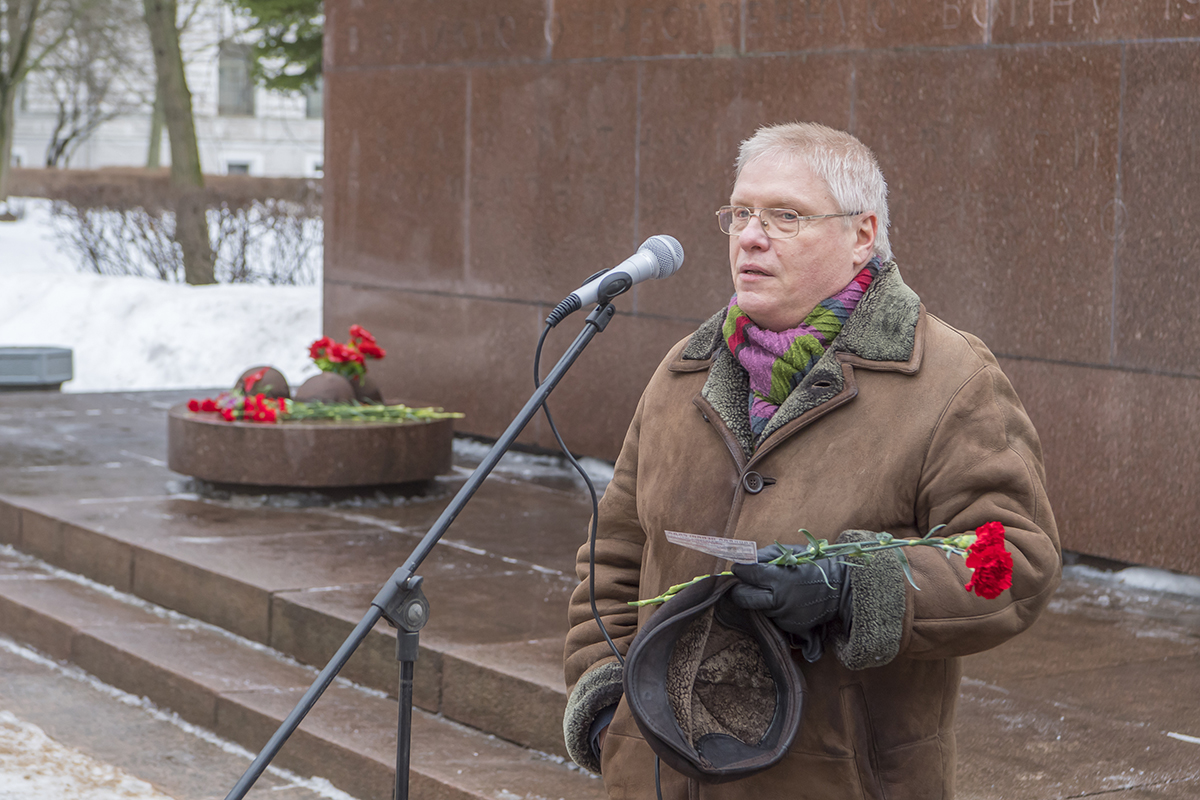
777, 362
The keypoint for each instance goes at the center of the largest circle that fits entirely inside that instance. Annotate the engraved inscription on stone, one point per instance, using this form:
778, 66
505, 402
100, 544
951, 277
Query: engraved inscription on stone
1182, 10
415, 32
1050, 13
791, 18
633, 28
880, 14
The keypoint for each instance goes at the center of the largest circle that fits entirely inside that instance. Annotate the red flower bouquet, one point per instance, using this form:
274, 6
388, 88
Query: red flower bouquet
243, 404
990, 563
348, 360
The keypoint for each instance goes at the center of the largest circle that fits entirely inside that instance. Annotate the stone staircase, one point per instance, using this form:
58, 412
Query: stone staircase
218, 606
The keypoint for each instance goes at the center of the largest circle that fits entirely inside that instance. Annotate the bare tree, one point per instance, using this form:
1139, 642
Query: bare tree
191, 222
21, 50
100, 71
154, 149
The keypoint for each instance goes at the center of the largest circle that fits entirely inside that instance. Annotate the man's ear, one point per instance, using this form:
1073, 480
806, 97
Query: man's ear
864, 237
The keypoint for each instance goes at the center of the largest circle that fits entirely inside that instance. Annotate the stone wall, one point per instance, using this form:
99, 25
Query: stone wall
482, 158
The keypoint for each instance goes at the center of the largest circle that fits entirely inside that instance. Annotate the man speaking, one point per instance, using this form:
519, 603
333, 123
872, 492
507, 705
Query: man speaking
823, 397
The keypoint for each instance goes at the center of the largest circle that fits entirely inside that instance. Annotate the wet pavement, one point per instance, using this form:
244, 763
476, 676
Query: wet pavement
1102, 696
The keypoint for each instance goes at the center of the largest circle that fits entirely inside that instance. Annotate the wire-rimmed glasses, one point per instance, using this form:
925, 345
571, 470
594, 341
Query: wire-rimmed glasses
777, 223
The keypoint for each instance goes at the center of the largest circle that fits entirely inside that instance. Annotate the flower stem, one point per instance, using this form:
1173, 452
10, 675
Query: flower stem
821, 548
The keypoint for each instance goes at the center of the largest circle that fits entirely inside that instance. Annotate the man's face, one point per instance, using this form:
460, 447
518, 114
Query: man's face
779, 281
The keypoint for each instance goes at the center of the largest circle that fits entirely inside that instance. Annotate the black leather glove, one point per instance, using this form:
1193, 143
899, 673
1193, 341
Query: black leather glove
799, 599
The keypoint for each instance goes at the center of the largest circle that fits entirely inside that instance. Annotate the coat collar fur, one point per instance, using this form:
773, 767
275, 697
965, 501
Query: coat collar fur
881, 334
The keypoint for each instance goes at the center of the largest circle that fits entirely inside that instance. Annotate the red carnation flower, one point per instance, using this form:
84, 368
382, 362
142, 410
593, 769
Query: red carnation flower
193, 405
208, 405
318, 348
253, 379
337, 352
227, 413
990, 562
372, 350
360, 334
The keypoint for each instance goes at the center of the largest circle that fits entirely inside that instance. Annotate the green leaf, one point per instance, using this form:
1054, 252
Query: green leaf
934, 531
907, 569
825, 577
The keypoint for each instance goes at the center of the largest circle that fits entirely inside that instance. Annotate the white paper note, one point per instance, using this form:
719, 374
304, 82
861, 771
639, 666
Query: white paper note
736, 550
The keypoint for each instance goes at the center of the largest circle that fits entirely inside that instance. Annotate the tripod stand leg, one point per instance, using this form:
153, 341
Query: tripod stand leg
406, 654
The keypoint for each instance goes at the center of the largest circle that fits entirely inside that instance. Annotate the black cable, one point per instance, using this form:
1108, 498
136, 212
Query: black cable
537, 381
657, 778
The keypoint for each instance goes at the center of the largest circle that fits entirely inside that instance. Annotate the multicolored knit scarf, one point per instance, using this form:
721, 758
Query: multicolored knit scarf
777, 362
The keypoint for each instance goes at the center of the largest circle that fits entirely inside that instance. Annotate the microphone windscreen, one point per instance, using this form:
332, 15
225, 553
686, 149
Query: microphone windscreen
667, 251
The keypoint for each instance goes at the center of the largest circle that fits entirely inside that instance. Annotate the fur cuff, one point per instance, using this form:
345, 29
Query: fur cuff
878, 601
596, 691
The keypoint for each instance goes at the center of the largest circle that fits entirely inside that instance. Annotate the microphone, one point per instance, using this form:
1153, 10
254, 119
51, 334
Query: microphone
658, 257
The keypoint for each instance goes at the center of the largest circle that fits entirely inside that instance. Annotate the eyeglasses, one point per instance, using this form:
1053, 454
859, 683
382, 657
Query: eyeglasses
777, 223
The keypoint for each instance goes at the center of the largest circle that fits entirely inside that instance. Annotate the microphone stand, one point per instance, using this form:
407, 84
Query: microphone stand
401, 600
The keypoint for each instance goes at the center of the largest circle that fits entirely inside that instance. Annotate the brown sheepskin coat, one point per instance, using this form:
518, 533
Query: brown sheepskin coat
904, 424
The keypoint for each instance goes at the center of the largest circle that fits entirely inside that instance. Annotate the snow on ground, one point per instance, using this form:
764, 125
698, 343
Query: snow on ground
142, 333
35, 767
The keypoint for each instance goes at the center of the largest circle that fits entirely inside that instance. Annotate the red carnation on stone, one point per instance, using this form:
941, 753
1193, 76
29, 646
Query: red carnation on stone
348, 360
990, 562
208, 405
193, 405
253, 379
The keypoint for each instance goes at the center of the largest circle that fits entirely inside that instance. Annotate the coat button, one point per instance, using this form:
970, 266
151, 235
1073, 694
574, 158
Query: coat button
753, 482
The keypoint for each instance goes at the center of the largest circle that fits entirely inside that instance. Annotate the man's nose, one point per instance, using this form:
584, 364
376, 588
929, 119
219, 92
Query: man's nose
754, 234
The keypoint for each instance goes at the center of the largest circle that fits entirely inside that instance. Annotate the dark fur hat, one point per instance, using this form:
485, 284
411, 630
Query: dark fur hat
712, 686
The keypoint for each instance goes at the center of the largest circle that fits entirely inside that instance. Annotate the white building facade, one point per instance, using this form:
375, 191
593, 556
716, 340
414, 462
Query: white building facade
240, 128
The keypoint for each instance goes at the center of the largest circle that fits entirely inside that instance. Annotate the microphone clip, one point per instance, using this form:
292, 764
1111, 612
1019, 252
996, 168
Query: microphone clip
571, 304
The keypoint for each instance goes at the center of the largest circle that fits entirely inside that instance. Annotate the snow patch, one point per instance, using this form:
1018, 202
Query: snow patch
34, 766
319, 786
130, 333
1143, 578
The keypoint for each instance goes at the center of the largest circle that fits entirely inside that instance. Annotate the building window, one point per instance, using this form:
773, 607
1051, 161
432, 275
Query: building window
235, 89
237, 167
314, 99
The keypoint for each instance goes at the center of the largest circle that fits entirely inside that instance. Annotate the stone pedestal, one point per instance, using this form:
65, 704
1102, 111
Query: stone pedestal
308, 455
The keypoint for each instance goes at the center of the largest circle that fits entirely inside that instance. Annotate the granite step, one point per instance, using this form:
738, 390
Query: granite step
241, 690
299, 577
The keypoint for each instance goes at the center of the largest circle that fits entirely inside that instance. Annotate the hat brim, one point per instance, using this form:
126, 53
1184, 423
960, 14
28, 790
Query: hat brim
718, 756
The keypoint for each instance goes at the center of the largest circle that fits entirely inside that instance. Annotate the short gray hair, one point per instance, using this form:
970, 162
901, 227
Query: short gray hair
847, 166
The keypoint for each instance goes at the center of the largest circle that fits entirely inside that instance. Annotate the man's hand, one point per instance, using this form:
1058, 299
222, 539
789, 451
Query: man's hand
798, 599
